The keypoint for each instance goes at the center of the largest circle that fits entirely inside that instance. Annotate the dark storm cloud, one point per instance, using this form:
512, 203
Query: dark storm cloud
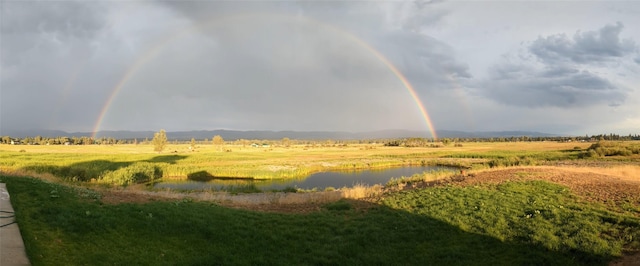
558, 73
49, 79
28, 25
604, 45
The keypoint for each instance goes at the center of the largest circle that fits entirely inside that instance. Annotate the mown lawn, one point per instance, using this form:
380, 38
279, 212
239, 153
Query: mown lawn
517, 223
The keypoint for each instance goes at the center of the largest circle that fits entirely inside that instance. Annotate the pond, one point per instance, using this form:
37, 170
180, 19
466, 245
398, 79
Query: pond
320, 181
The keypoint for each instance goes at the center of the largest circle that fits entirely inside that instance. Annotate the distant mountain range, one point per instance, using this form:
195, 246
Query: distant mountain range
273, 135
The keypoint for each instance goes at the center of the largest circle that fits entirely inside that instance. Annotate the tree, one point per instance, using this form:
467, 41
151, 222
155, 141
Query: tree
193, 144
286, 142
446, 141
217, 140
159, 140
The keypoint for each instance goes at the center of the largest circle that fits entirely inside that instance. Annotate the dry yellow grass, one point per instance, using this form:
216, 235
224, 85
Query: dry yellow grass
361, 191
524, 146
20, 172
370, 149
622, 172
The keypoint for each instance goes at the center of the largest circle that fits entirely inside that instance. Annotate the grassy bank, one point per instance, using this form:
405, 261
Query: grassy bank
521, 223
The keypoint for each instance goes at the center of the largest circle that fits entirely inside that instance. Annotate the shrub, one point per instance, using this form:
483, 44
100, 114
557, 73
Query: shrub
136, 173
290, 189
394, 143
608, 148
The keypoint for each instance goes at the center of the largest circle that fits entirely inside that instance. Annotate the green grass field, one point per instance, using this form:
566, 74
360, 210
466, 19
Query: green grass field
123, 164
64, 221
519, 223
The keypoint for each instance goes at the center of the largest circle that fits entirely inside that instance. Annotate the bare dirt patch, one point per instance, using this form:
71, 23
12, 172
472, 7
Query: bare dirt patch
627, 260
266, 202
595, 187
126, 196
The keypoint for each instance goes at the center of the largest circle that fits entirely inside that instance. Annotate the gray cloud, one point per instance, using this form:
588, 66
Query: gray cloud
294, 74
520, 85
422, 58
295, 61
602, 46
31, 25
556, 72
45, 47
55, 67
307, 65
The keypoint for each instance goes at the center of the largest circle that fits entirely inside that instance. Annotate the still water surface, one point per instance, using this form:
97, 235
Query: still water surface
318, 180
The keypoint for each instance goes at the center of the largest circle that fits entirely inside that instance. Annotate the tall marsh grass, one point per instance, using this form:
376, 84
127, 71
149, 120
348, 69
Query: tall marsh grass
429, 176
611, 148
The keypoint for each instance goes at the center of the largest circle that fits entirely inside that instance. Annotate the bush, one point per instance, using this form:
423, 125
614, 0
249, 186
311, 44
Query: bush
394, 143
608, 148
136, 173
290, 190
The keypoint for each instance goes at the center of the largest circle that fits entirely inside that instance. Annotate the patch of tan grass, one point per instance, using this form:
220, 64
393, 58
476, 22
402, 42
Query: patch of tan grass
19, 172
279, 198
360, 191
623, 172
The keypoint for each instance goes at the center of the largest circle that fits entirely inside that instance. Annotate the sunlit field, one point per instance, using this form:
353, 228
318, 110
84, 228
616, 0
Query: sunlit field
522, 203
94, 162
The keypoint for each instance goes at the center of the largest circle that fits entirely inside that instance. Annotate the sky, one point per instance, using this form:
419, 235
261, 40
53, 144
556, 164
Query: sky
563, 67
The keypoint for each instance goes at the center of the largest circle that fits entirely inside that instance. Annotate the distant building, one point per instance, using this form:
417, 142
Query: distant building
256, 145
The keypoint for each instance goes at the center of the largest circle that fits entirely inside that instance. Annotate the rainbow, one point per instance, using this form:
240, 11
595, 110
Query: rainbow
151, 53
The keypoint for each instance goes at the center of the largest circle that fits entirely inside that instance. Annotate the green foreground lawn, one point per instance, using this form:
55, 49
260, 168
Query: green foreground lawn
517, 223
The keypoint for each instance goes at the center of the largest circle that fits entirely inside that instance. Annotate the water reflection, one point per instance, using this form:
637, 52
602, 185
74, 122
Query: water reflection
336, 179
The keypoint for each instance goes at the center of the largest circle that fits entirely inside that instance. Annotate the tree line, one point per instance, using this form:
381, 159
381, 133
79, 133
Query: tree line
286, 142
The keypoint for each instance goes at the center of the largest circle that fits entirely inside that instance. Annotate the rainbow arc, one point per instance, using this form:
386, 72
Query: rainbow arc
220, 21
